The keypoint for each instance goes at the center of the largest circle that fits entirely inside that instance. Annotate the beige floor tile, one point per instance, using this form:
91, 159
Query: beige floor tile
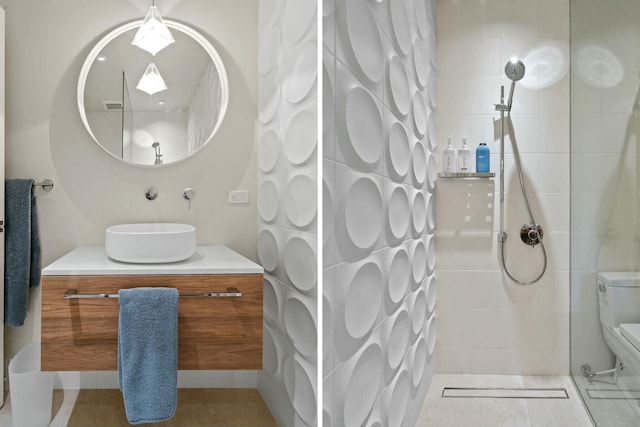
480, 412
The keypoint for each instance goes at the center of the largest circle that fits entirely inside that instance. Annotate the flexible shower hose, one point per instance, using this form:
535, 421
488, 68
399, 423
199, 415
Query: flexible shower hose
503, 235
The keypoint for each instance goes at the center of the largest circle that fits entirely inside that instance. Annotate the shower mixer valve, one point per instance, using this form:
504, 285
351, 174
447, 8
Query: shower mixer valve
531, 234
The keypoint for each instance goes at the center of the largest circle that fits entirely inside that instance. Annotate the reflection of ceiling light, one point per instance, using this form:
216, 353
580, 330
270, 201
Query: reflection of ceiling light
151, 82
161, 102
101, 58
153, 35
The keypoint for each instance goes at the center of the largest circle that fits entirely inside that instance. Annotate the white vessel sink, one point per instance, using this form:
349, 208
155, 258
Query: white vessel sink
150, 243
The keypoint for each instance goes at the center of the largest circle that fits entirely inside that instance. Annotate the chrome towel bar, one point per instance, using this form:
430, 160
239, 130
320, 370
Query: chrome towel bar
231, 292
47, 185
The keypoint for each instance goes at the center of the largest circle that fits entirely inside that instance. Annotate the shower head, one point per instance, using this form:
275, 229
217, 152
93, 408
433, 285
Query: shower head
155, 144
514, 69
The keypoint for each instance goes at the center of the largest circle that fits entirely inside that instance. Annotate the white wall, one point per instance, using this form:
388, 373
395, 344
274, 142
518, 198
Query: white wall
379, 130
287, 207
47, 43
486, 323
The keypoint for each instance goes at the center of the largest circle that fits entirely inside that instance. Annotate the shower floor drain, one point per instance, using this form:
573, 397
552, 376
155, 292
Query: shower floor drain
614, 394
506, 393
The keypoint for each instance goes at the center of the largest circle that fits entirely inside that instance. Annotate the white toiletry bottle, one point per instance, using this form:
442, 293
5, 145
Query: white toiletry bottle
449, 164
464, 157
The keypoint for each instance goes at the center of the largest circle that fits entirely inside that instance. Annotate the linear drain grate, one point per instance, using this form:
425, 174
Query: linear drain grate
505, 393
614, 394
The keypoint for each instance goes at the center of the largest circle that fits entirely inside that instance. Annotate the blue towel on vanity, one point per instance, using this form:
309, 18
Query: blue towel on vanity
148, 353
22, 249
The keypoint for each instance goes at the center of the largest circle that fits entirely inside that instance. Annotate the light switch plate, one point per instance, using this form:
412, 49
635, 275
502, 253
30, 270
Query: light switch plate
238, 196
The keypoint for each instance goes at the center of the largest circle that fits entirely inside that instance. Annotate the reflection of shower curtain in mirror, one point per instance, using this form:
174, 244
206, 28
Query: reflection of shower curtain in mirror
204, 110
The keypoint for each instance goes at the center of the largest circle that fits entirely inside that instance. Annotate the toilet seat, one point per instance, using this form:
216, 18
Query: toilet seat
631, 332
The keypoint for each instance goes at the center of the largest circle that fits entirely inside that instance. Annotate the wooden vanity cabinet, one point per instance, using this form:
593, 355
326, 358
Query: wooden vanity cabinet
213, 332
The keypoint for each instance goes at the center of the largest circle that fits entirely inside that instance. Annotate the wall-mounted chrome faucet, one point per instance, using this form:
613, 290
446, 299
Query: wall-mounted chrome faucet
151, 193
188, 194
158, 160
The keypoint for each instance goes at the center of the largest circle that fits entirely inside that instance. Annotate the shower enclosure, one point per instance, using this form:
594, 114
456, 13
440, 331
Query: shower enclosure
605, 201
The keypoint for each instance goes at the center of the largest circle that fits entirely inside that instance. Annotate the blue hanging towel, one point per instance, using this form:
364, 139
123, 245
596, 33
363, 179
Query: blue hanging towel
148, 353
22, 249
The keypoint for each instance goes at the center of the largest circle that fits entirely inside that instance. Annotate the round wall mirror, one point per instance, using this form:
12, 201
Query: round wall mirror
148, 122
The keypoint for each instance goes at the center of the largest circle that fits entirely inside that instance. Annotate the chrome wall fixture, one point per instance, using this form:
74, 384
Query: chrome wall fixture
531, 233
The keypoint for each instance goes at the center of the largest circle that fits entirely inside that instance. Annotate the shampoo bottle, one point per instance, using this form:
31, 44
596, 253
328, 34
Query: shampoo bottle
449, 159
482, 158
464, 158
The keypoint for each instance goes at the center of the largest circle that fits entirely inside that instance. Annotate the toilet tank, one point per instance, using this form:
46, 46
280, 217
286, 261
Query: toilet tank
619, 298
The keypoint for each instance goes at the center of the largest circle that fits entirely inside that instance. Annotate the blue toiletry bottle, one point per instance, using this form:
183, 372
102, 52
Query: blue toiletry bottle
482, 158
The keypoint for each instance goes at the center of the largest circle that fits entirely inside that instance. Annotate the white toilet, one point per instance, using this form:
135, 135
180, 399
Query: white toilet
619, 303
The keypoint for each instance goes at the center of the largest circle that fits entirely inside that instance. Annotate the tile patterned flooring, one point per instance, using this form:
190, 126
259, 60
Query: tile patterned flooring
503, 412
196, 407
612, 412
73, 408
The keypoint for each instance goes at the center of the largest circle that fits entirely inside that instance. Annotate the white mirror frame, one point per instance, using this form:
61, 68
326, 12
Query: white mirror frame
202, 41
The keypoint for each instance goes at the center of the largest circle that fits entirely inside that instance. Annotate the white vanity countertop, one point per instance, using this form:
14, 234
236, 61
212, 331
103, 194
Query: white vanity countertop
93, 261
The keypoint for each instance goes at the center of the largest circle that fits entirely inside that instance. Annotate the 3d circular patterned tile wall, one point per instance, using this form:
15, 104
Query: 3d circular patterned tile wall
420, 13
431, 335
300, 324
272, 301
268, 151
268, 250
399, 213
431, 253
273, 351
300, 263
269, 97
379, 81
419, 213
303, 74
431, 131
399, 399
399, 270
298, 18
363, 385
299, 385
363, 300
287, 206
420, 118
419, 162
421, 63
401, 26
363, 213
431, 294
327, 214
300, 198
419, 359
397, 339
363, 121
418, 311
269, 49
431, 214
268, 201
365, 40
432, 172
399, 85
418, 268
399, 150
300, 139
